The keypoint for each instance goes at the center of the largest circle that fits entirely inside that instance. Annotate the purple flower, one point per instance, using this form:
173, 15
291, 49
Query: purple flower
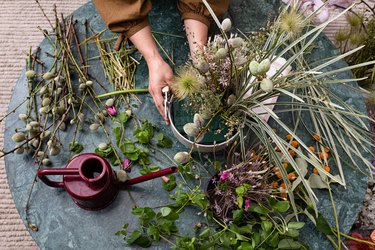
224, 175
111, 110
126, 165
247, 204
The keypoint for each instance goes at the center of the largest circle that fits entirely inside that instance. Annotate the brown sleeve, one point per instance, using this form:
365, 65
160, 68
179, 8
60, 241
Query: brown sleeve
124, 16
195, 9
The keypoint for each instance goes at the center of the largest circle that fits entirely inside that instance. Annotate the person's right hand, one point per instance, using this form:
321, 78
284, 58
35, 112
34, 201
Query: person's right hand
160, 75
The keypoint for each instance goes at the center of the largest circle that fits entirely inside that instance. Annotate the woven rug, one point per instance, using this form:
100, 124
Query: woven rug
19, 20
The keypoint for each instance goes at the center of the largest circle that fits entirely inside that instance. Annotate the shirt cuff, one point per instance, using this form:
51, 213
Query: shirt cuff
195, 16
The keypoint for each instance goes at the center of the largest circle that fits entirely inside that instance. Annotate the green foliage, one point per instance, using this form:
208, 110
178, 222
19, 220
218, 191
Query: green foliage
75, 147
163, 141
171, 184
144, 133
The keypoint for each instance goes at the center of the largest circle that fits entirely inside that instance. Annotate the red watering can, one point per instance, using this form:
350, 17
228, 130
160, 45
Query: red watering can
91, 182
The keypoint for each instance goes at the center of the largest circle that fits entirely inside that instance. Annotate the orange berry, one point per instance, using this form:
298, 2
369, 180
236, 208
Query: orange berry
284, 195
291, 176
279, 175
277, 149
291, 152
315, 171
317, 137
283, 185
285, 164
289, 137
274, 184
327, 149
326, 168
294, 143
312, 149
323, 155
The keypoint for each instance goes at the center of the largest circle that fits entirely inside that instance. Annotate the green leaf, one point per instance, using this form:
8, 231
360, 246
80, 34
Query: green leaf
201, 201
273, 240
266, 225
296, 225
316, 182
217, 166
289, 244
153, 232
143, 241
133, 237
205, 233
145, 214
239, 201
75, 147
123, 117
258, 209
145, 133
238, 215
245, 246
282, 206
163, 141
292, 232
322, 225
171, 184
165, 211
118, 135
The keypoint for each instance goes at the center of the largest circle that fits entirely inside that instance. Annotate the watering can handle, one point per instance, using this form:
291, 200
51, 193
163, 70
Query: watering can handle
54, 171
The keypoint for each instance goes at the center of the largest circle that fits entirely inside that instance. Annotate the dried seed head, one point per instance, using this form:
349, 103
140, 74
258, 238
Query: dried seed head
45, 134
48, 76
206, 113
181, 157
62, 126
34, 124
28, 127
198, 121
103, 146
266, 85
44, 110
342, 35
30, 74
43, 90
81, 117
94, 126
40, 154
109, 102
19, 149
191, 129
354, 20
226, 25
73, 121
46, 162
18, 137
99, 116
122, 176
22, 117
50, 143
35, 143
231, 100
58, 91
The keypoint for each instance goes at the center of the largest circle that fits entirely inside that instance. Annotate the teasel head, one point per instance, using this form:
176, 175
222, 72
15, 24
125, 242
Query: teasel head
187, 82
354, 20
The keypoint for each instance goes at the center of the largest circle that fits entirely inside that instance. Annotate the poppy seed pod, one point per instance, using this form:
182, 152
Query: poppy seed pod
181, 157
254, 65
18, 137
264, 66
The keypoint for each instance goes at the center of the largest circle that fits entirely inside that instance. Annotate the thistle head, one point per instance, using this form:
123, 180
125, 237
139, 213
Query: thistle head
292, 22
187, 82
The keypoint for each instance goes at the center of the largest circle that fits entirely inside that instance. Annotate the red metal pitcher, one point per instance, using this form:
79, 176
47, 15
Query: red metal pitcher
91, 182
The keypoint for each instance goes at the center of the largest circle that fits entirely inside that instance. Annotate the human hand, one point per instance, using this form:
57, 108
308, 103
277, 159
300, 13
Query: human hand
160, 74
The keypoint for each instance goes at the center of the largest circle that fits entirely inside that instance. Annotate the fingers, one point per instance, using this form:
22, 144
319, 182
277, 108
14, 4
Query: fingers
159, 102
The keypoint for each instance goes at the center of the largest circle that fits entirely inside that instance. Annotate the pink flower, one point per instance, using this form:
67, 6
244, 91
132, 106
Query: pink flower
247, 204
126, 165
224, 175
111, 110
165, 179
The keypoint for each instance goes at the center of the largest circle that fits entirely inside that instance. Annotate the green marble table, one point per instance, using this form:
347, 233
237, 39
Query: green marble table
63, 225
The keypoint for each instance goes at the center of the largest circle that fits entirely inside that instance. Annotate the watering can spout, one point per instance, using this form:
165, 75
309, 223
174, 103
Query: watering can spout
149, 176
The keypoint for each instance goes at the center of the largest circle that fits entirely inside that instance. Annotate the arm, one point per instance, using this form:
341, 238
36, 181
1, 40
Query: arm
160, 73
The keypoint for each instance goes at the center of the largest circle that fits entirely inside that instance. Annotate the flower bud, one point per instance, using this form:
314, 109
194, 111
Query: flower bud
235, 42
22, 117
34, 124
266, 85
54, 150
45, 134
109, 102
264, 66
48, 76
221, 53
46, 162
80, 117
28, 127
191, 129
73, 121
226, 25
122, 176
46, 101
62, 126
40, 154
128, 112
18, 137
104, 112
82, 87
254, 65
94, 126
58, 91
44, 110
50, 143
103, 146
181, 157
89, 83
231, 100
198, 121
43, 90
30, 74
19, 149
35, 143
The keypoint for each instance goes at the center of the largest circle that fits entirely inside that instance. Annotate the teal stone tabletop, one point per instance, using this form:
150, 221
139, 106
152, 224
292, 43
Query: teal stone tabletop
63, 225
